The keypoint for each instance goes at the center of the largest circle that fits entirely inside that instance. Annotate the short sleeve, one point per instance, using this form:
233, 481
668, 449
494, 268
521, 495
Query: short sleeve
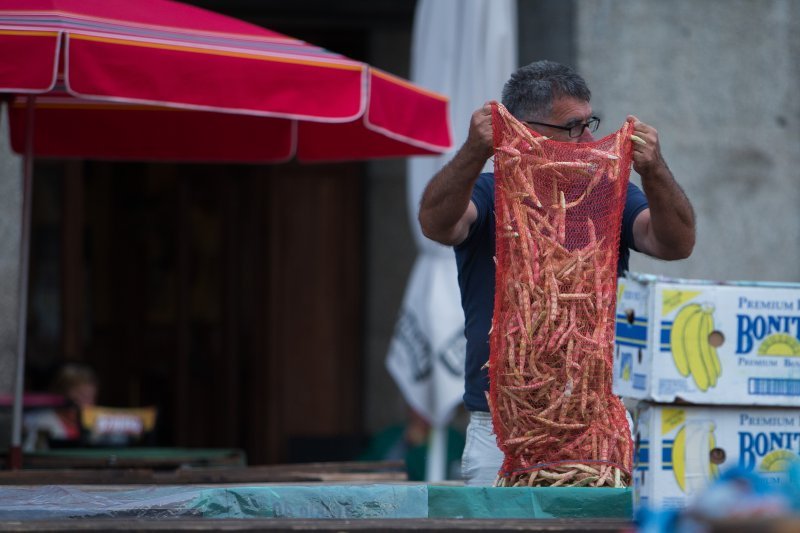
635, 203
483, 198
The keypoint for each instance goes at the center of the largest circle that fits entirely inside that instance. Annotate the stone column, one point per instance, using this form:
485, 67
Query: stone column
10, 223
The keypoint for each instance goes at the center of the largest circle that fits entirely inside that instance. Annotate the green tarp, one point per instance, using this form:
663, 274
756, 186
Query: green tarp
528, 502
351, 501
314, 501
414, 501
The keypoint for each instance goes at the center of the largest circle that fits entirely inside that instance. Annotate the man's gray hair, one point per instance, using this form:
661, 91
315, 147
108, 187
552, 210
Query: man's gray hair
529, 93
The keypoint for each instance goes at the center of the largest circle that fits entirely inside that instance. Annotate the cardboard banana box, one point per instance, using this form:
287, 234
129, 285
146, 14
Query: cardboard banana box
681, 449
703, 342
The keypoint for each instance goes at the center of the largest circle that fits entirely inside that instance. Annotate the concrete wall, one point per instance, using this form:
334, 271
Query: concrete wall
719, 80
545, 30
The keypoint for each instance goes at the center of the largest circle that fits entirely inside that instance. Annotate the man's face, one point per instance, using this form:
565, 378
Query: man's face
566, 112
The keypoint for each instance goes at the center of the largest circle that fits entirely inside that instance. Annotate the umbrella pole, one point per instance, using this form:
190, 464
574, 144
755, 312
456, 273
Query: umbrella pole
15, 450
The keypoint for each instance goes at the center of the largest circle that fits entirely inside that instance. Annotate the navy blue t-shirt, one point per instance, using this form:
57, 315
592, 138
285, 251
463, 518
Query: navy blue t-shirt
474, 258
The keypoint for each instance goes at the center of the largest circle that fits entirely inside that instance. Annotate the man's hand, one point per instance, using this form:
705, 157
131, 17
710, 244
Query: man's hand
445, 211
647, 157
480, 139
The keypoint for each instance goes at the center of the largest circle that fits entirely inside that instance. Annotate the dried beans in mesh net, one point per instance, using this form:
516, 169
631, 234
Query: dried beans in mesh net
558, 209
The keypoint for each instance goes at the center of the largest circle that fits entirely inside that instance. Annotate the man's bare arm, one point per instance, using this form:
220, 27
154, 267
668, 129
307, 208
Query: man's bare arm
666, 230
445, 211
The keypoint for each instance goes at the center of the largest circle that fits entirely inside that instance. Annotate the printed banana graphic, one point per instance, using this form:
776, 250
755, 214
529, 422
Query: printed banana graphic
691, 463
677, 346
778, 461
709, 351
679, 459
691, 351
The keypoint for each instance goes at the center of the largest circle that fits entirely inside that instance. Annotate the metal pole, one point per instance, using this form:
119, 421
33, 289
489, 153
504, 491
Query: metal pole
436, 461
15, 450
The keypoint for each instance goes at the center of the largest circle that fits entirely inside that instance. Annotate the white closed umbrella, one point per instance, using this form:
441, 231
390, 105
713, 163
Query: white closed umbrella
465, 49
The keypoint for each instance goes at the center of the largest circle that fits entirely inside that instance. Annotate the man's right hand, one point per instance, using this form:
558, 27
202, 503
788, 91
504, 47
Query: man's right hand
480, 138
446, 212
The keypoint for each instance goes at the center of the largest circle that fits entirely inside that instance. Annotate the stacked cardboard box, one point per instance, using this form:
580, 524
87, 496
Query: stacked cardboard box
715, 368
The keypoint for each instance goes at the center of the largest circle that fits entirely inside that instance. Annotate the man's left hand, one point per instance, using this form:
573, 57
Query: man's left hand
646, 157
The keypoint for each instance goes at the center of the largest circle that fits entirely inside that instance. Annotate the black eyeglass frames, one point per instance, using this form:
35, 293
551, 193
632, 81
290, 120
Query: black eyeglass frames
575, 130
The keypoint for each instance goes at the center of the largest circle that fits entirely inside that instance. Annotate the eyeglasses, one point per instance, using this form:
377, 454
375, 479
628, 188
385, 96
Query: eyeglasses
574, 131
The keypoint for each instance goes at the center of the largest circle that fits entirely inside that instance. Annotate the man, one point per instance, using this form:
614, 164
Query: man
457, 209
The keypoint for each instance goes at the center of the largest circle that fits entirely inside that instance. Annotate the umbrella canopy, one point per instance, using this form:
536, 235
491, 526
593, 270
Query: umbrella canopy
160, 80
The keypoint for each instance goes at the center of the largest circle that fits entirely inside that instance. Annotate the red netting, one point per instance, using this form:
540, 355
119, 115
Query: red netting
558, 209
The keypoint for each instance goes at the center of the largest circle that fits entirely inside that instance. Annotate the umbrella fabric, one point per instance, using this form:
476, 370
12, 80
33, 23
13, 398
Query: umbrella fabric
160, 80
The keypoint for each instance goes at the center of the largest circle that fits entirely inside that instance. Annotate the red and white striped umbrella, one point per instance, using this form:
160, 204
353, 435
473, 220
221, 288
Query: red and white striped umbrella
161, 80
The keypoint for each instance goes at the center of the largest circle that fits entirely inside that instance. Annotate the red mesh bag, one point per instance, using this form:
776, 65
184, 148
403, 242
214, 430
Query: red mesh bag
558, 210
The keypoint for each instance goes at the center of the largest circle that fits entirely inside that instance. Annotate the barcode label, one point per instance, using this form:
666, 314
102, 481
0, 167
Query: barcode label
774, 387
